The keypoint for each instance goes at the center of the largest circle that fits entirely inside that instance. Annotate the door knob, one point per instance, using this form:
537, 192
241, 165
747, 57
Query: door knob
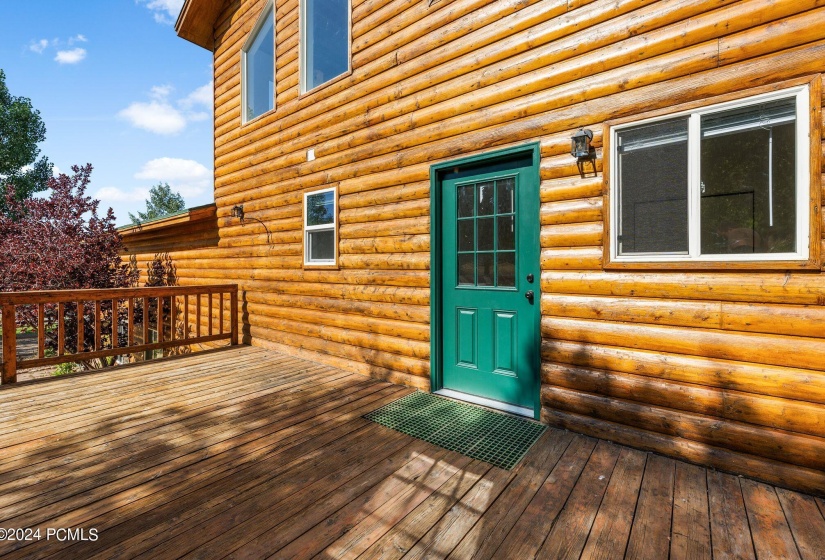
529, 295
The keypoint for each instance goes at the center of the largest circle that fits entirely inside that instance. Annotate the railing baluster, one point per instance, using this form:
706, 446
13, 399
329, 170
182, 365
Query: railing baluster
145, 320
173, 315
81, 323
61, 328
130, 322
220, 313
98, 337
160, 319
198, 317
41, 330
115, 325
9, 345
210, 315
233, 316
185, 316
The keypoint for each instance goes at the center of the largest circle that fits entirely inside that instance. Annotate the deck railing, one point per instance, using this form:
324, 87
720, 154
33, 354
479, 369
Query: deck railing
84, 325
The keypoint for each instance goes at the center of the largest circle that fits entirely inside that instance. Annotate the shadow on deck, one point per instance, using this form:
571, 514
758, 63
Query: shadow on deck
246, 453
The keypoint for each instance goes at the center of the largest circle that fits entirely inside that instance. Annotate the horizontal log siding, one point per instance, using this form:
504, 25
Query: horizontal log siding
721, 368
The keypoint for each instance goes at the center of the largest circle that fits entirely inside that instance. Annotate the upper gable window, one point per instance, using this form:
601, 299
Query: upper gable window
258, 67
728, 182
325, 41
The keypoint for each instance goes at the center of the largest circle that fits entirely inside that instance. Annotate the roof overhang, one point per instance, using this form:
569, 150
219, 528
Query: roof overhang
196, 22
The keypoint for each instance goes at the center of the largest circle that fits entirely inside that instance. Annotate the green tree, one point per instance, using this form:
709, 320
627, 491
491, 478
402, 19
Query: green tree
21, 129
161, 202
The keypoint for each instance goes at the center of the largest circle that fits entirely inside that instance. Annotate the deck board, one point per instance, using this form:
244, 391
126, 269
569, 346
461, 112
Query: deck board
247, 453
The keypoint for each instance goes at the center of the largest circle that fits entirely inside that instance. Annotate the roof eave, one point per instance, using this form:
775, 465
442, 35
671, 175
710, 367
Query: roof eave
196, 22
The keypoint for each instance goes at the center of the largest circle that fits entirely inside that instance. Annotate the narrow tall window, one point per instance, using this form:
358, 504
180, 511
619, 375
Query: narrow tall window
258, 67
320, 235
325, 41
728, 182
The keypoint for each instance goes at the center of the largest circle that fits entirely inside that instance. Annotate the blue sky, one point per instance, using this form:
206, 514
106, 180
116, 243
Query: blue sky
118, 89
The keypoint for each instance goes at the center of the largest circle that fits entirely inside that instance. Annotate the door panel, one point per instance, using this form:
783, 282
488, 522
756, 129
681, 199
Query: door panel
489, 246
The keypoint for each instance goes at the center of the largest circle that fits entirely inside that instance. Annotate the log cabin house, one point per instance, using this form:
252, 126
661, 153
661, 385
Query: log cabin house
397, 194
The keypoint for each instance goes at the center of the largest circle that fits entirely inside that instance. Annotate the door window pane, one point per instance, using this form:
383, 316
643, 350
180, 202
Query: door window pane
486, 269
485, 234
259, 71
506, 195
466, 201
325, 41
466, 235
653, 188
466, 269
506, 269
321, 245
486, 196
748, 188
506, 233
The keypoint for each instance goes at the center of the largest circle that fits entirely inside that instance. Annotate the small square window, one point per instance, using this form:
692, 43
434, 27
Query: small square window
320, 231
727, 182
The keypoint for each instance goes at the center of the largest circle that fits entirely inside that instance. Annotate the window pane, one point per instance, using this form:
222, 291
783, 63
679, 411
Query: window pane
465, 201
506, 270
466, 235
506, 233
466, 269
321, 245
485, 234
506, 195
748, 188
320, 208
485, 199
653, 186
260, 71
485, 269
326, 49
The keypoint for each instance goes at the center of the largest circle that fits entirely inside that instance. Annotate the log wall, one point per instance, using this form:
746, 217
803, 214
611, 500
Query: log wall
720, 368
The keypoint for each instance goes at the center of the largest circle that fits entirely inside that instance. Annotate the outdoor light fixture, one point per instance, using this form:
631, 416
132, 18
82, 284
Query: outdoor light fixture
237, 212
580, 143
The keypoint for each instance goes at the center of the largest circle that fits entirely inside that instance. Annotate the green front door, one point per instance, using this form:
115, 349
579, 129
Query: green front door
490, 282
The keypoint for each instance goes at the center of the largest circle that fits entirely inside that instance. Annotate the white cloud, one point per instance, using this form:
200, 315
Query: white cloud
39, 46
161, 92
156, 116
117, 194
79, 38
164, 11
70, 57
55, 170
161, 117
186, 176
201, 96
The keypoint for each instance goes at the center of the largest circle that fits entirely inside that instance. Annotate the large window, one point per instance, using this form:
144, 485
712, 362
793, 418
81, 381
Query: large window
325, 41
258, 67
320, 235
727, 182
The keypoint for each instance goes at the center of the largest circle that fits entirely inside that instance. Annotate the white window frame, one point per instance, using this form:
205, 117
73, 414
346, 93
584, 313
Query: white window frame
322, 227
262, 19
803, 187
303, 46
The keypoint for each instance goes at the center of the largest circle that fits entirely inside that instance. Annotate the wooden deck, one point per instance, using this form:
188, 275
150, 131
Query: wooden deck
245, 453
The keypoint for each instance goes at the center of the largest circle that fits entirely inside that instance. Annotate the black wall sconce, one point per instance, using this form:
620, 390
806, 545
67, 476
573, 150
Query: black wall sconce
581, 150
237, 212
580, 143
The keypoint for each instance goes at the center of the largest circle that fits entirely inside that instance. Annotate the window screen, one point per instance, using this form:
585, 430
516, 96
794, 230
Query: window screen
325, 41
653, 188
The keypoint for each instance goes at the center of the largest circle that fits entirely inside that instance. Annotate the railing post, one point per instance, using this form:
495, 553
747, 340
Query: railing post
233, 315
9, 345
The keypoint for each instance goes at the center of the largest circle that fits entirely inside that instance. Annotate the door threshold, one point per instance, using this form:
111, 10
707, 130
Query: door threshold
489, 403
